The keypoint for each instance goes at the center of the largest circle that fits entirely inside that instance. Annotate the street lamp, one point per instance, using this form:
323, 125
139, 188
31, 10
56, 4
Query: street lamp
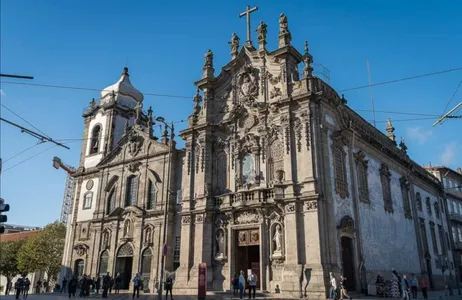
167, 200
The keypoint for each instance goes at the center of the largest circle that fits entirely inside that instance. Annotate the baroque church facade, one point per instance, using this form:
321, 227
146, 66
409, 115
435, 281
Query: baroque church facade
278, 176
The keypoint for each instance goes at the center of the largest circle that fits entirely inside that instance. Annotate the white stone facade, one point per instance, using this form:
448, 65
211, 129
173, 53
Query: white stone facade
278, 176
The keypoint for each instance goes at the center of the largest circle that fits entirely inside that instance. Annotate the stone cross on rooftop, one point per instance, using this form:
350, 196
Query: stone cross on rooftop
247, 13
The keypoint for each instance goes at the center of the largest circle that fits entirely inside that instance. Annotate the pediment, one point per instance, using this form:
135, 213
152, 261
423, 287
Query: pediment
134, 144
126, 212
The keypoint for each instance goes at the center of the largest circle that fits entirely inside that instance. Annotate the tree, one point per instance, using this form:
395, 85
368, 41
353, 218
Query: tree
8, 258
44, 251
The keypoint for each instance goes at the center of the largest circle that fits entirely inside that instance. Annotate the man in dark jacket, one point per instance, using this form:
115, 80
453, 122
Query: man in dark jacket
106, 285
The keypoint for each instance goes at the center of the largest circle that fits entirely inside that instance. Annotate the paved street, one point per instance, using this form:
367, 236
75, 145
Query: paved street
56, 296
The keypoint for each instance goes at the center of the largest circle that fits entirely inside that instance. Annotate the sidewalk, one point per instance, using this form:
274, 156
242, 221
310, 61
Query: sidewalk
436, 295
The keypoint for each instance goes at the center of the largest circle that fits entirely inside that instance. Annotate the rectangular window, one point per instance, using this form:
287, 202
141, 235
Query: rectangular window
441, 236
87, 199
176, 251
459, 233
433, 235
179, 197
454, 234
423, 232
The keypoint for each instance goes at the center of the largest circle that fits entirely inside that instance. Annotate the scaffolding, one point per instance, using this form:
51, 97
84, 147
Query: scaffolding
67, 199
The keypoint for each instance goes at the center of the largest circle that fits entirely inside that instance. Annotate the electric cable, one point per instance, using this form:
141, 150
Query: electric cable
25, 150
189, 97
17, 115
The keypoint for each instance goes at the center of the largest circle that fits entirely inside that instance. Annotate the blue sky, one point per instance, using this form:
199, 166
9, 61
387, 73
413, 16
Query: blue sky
87, 45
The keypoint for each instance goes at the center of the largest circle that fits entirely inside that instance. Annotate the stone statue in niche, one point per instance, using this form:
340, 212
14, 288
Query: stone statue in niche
105, 239
277, 238
220, 243
127, 229
147, 239
248, 86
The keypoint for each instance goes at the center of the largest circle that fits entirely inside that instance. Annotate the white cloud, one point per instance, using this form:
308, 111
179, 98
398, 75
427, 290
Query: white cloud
449, 154
419, 135
2, 93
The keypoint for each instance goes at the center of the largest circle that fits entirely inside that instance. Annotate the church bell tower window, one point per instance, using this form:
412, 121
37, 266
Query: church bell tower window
95, 139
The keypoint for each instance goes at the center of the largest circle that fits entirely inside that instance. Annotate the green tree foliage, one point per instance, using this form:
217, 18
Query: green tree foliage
44, 251
8, 258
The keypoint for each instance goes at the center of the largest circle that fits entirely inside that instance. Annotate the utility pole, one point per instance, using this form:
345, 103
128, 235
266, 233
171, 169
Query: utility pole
449, 115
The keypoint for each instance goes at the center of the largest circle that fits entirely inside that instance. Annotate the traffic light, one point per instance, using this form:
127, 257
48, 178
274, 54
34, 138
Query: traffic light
3, 208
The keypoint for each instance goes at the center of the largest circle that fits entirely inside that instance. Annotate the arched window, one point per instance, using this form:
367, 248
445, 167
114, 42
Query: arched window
87, 200
275, 159
222, 172
132, 189
95, 139
151, 200
78, 267
362, 183
146, 262
111, 200
103, 263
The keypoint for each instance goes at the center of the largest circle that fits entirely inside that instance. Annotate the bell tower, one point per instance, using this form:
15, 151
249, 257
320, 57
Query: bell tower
106, 119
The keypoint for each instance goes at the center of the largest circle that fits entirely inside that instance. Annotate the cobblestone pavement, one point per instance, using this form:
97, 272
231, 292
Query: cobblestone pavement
125, 296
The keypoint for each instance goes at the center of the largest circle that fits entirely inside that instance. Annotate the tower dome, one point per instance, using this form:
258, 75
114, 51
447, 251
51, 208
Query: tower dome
122, 92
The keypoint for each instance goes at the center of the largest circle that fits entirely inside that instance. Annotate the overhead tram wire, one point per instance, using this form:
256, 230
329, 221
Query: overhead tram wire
23, 151
17, 115
189, 97
34, 134
450, 99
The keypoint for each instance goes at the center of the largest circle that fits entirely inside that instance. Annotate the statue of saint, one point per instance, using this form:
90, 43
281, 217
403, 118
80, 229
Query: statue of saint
208, 59
106, 239
261, 31
283, 24
220, 242
234, 43
127, 229
278, 238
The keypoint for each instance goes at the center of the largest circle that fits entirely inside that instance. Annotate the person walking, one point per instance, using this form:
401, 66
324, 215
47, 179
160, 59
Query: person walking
414, 285
343, 288
106, 285
423, 286
98, 283
136, 285
252, 284
241, 284
333, 286
235, 283
64, 286
169, 287
406, 287
72, 286
18, 285
117, 282
26, 287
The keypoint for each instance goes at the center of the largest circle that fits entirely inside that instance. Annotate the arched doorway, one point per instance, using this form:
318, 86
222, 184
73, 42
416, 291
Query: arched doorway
348, 265
146, 260
124, 265
79, 266
346, 232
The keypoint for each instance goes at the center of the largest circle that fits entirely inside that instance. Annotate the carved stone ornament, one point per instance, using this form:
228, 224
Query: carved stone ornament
81, 249
290, 208
89, 184
312, 205
247, 218
186, 219
134, 143
134, 166
199, 218
248, 86
346, 226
